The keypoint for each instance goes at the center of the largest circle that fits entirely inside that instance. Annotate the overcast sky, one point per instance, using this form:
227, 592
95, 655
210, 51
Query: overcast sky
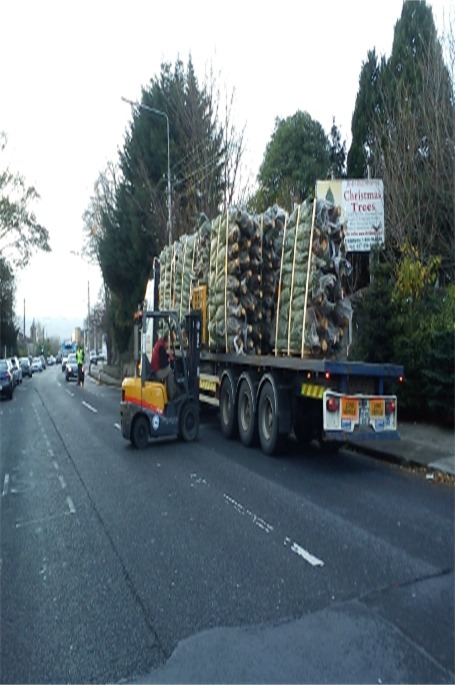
65, 66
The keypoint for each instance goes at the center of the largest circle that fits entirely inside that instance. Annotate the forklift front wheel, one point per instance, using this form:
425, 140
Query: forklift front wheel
189, 421
140, 432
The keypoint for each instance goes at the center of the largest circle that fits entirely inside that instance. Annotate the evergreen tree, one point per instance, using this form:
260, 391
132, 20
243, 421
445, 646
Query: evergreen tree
414, 141
295, 157
375, 325
367, 107
337, 153
134, 220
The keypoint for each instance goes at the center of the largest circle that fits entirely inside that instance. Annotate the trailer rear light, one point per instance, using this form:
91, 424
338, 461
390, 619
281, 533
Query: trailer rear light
327, 375
401, 379
332, 404
390, 407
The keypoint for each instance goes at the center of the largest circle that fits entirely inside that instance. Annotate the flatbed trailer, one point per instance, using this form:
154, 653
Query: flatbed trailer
265, 398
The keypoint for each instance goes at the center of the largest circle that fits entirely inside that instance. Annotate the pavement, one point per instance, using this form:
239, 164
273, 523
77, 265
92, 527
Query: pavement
421, 445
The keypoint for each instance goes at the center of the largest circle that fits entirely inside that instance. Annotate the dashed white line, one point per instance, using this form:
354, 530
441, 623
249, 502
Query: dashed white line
301, 552
267, 528
89, 406
62, 482
246, 512
5, 485
71, 506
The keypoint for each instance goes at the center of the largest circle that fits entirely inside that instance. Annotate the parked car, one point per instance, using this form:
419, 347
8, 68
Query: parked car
26, 367
36, 364
51, 360
71, 367
17, 371
6, 379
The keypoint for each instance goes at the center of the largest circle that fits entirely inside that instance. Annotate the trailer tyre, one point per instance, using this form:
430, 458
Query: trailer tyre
228, 409
189, 422
247, 418
268, 427
140, 432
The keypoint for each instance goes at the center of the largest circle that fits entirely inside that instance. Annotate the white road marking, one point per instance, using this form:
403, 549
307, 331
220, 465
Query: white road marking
89, 406
197, 479
71, 506
71, 394
267, 528
257, 520
117, 425
5, 485
62, 482
301, 552
33, 522
55, 465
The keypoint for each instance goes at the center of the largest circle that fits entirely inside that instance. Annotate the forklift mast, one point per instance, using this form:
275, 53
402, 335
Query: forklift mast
193, 329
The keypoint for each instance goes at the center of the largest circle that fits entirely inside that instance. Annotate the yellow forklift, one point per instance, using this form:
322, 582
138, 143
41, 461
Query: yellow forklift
145, 410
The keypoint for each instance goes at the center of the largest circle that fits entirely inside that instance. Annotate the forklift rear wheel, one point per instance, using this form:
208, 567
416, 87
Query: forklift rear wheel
140, 432
189, 421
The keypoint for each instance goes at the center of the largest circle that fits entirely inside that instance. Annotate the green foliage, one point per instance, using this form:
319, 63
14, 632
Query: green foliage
438, 379
367, 107
20, 233
404, 318
337, 153
375, 325
8, 329
128, 218
296, 156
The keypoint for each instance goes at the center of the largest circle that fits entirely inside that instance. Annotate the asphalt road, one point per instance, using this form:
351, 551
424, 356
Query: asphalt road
210, 562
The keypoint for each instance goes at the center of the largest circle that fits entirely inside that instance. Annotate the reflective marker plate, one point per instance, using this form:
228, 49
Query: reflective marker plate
349, 408
377, 409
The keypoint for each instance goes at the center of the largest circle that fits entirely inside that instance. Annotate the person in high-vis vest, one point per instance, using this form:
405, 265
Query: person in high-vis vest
80, 358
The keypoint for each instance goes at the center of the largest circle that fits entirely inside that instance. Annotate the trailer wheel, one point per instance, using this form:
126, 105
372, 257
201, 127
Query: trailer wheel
189, 421
246, 415
228, 409
269, 435
140, 432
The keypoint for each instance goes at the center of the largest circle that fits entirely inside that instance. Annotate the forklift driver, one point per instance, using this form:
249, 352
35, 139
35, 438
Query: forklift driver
161, 365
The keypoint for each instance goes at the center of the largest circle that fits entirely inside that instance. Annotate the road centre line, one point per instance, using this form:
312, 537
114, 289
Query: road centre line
301, 552
62, 482
71, 506
89, 406
5, 485
266, 527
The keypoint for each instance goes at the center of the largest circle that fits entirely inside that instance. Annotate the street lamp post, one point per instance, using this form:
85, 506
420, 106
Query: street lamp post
162, 114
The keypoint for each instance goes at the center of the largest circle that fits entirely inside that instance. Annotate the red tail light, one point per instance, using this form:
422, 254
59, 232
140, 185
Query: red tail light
389, 407
332, 404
